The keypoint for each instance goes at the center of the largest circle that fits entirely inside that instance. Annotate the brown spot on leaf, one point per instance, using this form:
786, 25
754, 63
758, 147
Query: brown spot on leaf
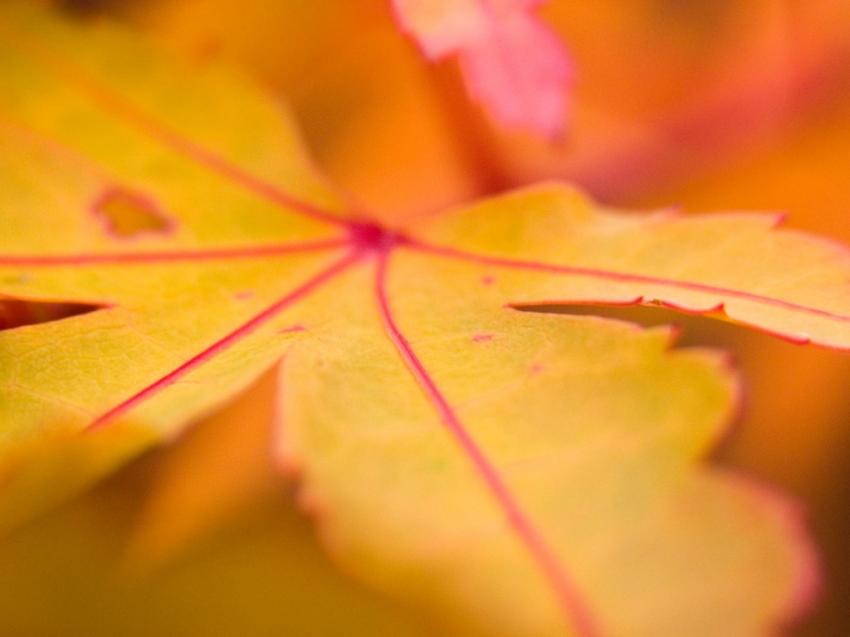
482, 338
126, 214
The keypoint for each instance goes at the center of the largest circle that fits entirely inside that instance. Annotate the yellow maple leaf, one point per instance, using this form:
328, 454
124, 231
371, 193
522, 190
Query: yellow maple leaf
513, 472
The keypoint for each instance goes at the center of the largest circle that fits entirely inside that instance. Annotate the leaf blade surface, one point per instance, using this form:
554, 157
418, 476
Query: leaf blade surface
505, 470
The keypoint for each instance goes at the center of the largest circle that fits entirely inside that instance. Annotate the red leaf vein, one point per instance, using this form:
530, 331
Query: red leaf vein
571, 600
308, 287
171, 256
623, 277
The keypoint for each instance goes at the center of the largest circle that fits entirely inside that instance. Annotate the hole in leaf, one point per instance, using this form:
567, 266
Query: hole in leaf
126, 214
17, 313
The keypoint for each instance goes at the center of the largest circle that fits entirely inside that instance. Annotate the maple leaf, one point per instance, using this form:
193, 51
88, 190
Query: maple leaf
515, 472
511, 61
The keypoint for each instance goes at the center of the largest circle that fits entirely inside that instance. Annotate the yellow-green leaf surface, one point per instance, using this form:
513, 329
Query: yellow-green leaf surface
509, 472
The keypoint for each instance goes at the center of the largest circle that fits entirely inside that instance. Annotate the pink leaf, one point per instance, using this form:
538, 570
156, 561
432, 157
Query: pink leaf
511, 61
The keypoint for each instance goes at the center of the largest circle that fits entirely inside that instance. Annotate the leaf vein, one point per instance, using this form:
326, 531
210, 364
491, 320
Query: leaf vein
226, 342
571, 600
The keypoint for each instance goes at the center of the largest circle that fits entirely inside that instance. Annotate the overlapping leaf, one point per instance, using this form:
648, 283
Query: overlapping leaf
511, 61
514, 472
